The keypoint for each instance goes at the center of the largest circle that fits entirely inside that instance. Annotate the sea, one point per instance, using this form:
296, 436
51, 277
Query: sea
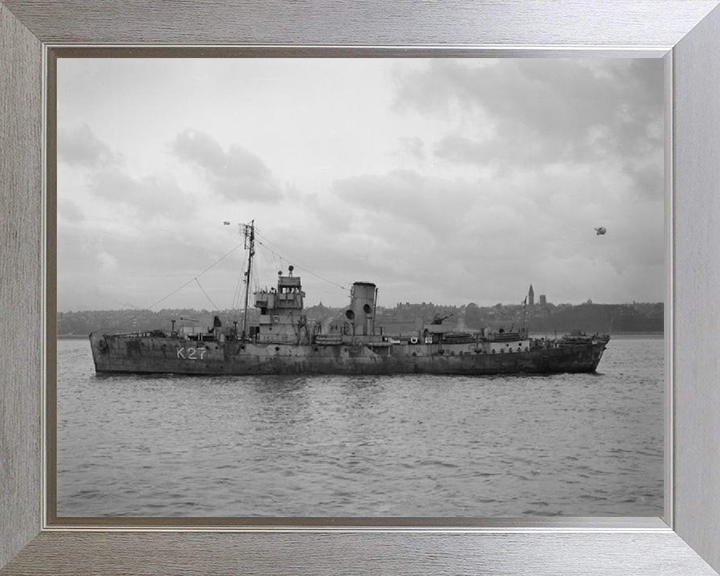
371, 446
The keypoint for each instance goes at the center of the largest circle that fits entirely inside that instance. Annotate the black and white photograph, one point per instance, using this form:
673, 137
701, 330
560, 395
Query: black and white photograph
360, 287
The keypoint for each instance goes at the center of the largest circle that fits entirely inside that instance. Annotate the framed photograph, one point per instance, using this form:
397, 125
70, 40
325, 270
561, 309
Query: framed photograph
71, 118
352, 367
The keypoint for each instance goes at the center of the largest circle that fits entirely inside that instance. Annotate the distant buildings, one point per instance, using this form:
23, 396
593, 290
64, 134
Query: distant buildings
531, 298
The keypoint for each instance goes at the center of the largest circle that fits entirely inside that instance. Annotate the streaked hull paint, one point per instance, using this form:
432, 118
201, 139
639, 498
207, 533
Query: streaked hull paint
147, 354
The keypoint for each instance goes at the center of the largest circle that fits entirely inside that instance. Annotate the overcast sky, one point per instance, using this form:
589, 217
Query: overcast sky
443, 180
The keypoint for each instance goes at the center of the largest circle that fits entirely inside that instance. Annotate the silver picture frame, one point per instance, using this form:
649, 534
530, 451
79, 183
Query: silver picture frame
686, 33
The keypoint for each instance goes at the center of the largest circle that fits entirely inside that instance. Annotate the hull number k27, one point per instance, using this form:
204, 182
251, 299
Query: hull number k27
191, 353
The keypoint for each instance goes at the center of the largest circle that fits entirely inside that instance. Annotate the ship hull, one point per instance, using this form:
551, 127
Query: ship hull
156, 355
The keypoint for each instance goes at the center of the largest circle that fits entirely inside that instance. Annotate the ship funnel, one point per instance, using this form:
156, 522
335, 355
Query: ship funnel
362, 308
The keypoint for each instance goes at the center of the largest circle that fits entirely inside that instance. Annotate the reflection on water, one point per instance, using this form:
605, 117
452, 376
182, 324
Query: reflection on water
573, 445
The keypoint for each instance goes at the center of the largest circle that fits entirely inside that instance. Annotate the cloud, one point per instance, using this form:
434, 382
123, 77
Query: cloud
139, 236
558, 147
145, 199
488, 237
531, 113
413, 147
80, 147
482, 177
70, 211
430, 203
236, 174
98, 267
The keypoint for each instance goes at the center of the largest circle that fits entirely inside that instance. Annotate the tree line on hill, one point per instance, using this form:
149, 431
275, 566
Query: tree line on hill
549, 318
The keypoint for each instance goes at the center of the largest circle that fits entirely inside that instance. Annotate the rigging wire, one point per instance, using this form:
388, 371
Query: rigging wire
206, 295
193, 279
266, 245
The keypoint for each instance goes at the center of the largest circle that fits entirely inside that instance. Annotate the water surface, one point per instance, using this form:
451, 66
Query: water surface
573, 445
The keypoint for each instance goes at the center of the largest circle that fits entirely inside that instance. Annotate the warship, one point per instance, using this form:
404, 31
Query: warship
283, 341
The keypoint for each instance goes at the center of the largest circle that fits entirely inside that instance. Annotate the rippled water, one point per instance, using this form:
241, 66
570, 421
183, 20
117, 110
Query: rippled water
573, 445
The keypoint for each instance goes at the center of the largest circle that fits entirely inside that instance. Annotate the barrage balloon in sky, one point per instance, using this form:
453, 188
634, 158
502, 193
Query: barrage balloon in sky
443, 180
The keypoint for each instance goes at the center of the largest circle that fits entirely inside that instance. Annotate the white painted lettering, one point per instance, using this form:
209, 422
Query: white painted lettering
190, 353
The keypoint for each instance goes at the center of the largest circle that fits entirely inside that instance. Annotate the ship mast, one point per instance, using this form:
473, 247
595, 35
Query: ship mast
249, 230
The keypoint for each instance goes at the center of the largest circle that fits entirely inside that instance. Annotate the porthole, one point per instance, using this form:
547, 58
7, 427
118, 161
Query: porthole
367, 309
350, 315
277, 348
